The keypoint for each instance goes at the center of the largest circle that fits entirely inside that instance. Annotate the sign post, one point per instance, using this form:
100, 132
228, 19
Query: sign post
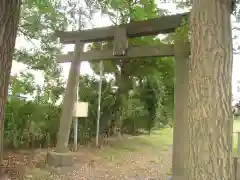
99, 103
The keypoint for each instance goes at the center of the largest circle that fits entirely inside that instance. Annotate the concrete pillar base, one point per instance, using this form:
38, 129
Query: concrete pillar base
168, 178
177, 178
55, 159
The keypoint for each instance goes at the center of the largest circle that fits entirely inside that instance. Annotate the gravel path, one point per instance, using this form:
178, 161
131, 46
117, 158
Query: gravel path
135, 158
149, 165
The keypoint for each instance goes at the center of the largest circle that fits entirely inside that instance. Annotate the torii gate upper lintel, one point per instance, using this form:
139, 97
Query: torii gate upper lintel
119, 35
160, 25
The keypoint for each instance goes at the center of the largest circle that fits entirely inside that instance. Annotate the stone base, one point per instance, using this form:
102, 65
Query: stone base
54, 170
55, 159
168, 178
171, 177
37, 174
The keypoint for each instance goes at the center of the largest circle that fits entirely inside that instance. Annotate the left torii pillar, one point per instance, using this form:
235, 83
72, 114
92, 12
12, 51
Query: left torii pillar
62, 157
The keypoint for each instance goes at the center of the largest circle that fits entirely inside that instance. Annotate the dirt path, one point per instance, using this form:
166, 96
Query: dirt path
149, 165
130, 158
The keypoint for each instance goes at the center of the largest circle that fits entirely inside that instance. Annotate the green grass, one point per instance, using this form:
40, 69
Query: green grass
236, 128
158, 141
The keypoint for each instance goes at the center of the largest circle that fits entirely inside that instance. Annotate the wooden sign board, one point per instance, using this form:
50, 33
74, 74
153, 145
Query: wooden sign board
80, 109
120, 43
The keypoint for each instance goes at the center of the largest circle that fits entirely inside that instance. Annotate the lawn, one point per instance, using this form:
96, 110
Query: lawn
236, 128
158, 140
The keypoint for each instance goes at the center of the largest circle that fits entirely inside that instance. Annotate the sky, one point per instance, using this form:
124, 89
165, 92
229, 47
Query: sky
100, 21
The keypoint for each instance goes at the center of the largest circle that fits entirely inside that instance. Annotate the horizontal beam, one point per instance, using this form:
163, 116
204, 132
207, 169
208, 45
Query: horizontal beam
161, 25
163, 50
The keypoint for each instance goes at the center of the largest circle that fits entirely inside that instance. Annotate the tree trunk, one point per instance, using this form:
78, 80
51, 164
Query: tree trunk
210, 92
9, 18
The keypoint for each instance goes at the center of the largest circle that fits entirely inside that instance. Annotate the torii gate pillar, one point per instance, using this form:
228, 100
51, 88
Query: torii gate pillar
180, 136
62, 157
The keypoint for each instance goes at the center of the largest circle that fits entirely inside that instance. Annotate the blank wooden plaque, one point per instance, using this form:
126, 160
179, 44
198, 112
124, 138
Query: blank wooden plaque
120, 42
80, 109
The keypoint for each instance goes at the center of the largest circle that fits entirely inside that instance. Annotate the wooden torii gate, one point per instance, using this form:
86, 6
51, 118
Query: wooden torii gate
121, 51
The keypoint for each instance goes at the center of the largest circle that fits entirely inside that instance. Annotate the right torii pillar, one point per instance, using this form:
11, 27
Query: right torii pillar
180, 131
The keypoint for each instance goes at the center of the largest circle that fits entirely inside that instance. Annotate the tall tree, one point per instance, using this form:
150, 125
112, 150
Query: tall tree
210, 75
38, 22
120, 12
9, 19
